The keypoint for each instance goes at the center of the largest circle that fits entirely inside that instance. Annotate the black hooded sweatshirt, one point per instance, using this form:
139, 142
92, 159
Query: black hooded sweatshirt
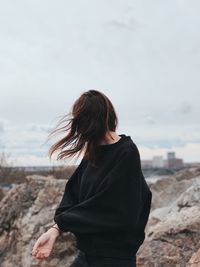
107, 206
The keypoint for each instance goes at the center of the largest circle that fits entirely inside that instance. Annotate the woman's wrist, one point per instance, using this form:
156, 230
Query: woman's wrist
55, 230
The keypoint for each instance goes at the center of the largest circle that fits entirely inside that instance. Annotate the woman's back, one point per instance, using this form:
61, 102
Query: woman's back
112, 202
106, 202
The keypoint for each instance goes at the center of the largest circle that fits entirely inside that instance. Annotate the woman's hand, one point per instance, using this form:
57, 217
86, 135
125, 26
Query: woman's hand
44, 245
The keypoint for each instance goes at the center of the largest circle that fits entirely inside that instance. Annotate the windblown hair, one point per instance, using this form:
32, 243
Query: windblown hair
92, 115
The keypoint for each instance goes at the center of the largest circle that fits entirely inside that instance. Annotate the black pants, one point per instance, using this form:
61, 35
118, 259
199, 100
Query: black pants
83, 260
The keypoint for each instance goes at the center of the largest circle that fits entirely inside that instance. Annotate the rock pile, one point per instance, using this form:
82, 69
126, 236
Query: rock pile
172, 232
27, 212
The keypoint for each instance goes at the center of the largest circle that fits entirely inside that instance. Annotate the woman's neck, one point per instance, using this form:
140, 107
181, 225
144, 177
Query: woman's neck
110, 138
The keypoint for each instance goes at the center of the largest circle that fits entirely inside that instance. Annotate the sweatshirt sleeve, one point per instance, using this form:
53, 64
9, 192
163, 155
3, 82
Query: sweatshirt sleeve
115, 206
71, 191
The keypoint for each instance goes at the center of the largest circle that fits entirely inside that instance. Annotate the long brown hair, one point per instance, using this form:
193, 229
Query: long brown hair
92, 115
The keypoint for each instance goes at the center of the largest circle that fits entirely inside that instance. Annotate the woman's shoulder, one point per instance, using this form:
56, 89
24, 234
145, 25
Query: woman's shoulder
129, 148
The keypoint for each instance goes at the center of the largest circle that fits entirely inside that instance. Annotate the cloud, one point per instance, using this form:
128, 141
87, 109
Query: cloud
37, 127
31, 160
185, 108
3, 125
115, 24
148, 119
156, 135
189, 152
148, 61
37, 160
25, 139
2, 130
163, 143
25, 143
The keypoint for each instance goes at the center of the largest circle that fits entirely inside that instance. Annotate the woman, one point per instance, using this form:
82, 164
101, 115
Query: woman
106, 202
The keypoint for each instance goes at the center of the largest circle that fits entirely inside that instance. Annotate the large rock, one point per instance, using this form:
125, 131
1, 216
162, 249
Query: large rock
173, 230
189, 198
195, 260
26, 212
172, 233
168, 189
172, 242
2, 193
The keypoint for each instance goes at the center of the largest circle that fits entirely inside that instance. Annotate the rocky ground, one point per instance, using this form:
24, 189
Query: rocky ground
172, 233
26, 212
173, 230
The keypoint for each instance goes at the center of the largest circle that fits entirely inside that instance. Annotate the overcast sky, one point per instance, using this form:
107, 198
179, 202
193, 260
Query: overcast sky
144, 55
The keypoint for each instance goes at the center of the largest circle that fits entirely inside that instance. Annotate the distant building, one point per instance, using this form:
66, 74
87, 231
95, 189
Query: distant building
146, 163
173, 162
158, 162
171, 155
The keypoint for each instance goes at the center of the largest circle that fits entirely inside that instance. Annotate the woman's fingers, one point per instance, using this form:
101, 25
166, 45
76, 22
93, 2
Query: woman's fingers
34, 253
42, 247
35, 247
41, 241
42, 253
39, 255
